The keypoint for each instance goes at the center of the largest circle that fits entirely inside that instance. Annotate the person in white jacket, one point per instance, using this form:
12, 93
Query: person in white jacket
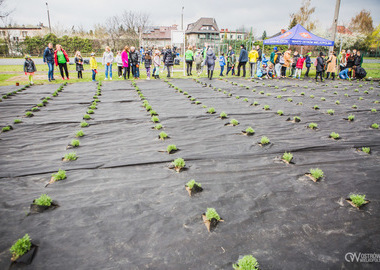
119, 64
107, 62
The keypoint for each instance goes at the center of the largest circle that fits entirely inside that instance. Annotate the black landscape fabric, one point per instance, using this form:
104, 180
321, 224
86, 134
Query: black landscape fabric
121, 207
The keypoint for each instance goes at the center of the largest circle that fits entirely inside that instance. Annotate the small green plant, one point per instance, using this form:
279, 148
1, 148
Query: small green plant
22, 246
79, 133
153, 112
287, 157
330, 111
45, 101
316, 173
230, 94
171, 148
17, 121
155, 119
354, 106
373, 110
366, 150
334, 135
84, 124
158, 126
234, 122
264, 140
279, 112
60, 175
255, 103
361, 98
323, 99
346, 95
248, 262
71, 156
211, 213
279, 96
337, 102
43, 200
197, 102
290, 99
261, 92
90, 111
357, 199
5, 129
266, 107
356, 90
351, 117
35, 109
28, 114
313, 125
179, 163
86, 116
366, 92
211, 110
311, 96
163, 135
223, 115
237, 97
204, 106
249, 130
92, 107
191, 184
246, 99
297, 119
375, 126
74, 143
302, 93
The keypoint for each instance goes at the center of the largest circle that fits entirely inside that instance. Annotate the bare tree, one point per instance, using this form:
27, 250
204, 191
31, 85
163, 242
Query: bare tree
303, 16
135, 24
362, 22
4, 12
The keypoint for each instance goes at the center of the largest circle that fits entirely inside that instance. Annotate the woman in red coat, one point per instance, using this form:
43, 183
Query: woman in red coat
61, 59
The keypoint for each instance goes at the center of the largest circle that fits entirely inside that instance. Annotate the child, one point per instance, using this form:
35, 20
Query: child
94, 66
148, 63
119, 62
79, 64
299, 66
157, 64
29, 68
222, 63
198, 61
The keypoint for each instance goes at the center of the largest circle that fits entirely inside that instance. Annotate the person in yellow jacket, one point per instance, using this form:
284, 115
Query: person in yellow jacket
252, 57
93, 66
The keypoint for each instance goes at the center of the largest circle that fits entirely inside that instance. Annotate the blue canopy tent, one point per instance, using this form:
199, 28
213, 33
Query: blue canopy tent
298, 36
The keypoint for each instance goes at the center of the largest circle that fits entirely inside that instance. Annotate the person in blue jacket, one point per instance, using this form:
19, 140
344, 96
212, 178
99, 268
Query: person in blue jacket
49, 60
222, 63
308, 64
243, 59
344, 74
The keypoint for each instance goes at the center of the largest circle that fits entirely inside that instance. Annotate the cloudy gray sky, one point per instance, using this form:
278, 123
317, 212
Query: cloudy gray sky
260, 15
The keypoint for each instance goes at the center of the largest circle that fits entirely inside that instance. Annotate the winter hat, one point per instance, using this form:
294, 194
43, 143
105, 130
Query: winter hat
27, 56
275, 48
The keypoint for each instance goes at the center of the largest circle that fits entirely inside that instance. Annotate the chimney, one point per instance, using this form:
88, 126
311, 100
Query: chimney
283, 31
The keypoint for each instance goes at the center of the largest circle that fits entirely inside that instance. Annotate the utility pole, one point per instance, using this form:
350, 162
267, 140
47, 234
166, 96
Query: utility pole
47, 7
335, 22
182, 18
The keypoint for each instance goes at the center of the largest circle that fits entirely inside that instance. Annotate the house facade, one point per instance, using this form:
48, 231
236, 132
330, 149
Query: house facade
226, 34
203, 32
157, 36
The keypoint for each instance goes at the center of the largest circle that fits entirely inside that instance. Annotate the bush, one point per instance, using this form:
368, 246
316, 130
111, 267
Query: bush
211, 110
171, 147
375, 126
17, 121
155, 119
163, 135
357, 199
84, 124
43, 200
234, 122
74, 143
249, 130
316, 173
158, 126
330, 111
22, 246
334, 135
287, 156
71, 156
60, 175
351, 117
366, 150
248, 262
191, 184
264, 140
179, 163
279, 112
211, 213
313, 125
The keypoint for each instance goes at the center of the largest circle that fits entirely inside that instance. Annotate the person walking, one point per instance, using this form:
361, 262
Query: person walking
107, 61
48, 59
331, 66
168, 59
93, 66
148, 63
260, 58
133, 61
79, 64
157, 64
252, 56
319, 63
222, 63
231, 60
189, 58
125, 59
119, 63
308, 64
29, 68
61, 59
210, 62
198, 58
243, 59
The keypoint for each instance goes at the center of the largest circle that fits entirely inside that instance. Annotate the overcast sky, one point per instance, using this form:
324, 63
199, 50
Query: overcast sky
260, 15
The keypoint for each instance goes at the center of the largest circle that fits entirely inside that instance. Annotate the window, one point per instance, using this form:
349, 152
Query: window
2, 33
231, 36
239, 37
24, 33
207, 28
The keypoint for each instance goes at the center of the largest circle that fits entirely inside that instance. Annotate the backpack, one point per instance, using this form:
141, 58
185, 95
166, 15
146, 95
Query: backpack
276, 60
259, 73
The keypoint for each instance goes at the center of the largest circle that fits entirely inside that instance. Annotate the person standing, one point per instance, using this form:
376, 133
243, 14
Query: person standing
119, 63
278, 61
210, 62
342, 60
79, 64
231, 60
168, 59
308, 64
189, 58
252, 56
222, 63
49, 60
319, 66
133, 61
148, 63
331, 65
294, 63
260, 58
299, 67
198, 61
287, 62
93, 66
29, 68
126, 62
107, 62
61, 59
358, 59
157, 64
243, 59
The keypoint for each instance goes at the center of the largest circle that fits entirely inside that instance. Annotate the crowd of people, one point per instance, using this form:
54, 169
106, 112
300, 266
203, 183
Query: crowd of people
279, 65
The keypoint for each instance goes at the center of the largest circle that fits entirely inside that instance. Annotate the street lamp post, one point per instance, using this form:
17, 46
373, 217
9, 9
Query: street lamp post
47, 7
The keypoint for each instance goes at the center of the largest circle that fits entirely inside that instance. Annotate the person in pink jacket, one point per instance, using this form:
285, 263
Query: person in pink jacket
125, 60
299, 67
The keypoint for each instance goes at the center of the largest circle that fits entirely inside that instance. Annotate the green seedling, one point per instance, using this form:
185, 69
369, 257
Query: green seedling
330, 112
366, 150
373, 110
22, 246
279, 96
43, 200
179, 163
60, 175
246, 99
153, 112
323, 99
360, 98
317, 174
17, 121
79, 133
375, 126
211, 213
313, 126
86, 116
255, 103
84, 124
155, 119
171, 148
249, 130
223, 115
287, 157
237, 97
158, 126
334, 135
296, 119
90, 111
290, 99
92, 107
163, 135
211, 110
351, 117
5, 129
279, 112
191, 184
302, 93
28, 114
311, 96
234, 122
74, 143
266, 107
264, 140
197, 102
354, 106
357, 199
70, 156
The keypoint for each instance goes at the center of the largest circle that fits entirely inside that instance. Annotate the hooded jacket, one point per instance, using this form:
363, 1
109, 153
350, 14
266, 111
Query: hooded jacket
168, 57
210, 59
243, 57
134, 58
48, 55
29, 66
253, 55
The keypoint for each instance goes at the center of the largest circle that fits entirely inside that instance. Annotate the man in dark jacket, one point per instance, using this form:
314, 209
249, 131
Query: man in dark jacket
168, 59
294, 63
319, 67
243, 59
308, 64
134, 58
49, 60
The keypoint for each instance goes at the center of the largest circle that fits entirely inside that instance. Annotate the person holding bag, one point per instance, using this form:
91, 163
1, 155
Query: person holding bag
107, 62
